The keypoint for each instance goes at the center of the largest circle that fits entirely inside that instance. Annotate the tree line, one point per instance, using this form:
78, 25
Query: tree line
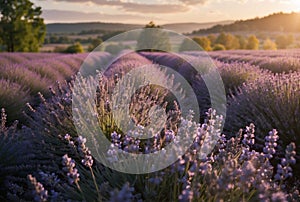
227, 41
277, 22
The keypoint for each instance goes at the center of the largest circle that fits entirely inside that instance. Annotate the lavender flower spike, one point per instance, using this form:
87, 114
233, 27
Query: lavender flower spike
40, 194
69, 168
270, 144
84, 152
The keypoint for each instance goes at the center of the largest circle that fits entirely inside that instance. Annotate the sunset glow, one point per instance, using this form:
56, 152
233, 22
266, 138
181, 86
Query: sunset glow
140, 11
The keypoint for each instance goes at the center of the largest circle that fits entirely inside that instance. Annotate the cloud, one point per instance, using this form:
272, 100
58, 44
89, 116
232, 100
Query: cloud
75, 16
154, 8
143, 7
194, 2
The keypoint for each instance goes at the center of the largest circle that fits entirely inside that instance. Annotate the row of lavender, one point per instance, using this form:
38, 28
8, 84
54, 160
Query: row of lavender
50, 162
255, 95
24, 75
275, 61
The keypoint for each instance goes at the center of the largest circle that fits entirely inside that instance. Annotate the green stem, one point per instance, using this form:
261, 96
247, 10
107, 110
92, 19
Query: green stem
78, 187
96, 185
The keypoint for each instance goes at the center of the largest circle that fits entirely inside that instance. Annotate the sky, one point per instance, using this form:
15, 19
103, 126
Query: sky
160, 11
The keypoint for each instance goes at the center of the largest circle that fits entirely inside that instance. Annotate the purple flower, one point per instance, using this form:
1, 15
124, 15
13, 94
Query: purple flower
125, 194
270, 144
40, 194
249, 137
186, 195
278, 197
284, 169
290, 153
69, 168
84, 152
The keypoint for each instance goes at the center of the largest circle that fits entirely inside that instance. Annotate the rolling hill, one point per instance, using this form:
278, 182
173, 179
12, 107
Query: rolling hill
189, 27
277, 22
79, 27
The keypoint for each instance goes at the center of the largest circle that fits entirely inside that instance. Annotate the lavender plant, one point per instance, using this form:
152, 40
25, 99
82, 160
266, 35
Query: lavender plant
235, 74
275, 61
12, 91
51, 162
222, 175
269, 102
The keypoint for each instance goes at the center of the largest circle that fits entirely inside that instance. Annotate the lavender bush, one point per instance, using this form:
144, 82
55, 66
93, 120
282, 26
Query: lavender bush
13, 91
49, 161
24, 75
269, 102
235, 74
233, 171
275, 61
274, 99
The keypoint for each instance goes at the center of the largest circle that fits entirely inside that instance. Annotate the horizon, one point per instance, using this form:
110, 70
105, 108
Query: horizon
142, 24
161, 12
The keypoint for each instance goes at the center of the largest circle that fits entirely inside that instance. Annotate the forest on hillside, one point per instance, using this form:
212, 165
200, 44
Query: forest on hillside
277, 22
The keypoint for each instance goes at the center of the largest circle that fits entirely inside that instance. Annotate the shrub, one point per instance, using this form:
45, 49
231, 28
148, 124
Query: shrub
269, 45
284, 41
228, 41
253, 43
75, 48
219, 47
204, 42
94, 44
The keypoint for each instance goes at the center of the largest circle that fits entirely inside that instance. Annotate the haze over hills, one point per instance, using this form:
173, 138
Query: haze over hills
189, 27
80, 27
277, 22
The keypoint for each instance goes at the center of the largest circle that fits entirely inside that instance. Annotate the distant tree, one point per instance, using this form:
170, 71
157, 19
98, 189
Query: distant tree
290, 39
228, 40
21, 27
288, 22
212, 39
269, 45
156, 39
151, 24
53, 39
75, 48
95, 43
204, 42
253, 43
116, 48
235, 43
242, 41
284, 41
221, 39
219, 47
281, 42
188, 45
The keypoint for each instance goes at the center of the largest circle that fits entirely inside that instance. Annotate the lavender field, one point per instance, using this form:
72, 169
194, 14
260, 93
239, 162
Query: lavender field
256, 158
